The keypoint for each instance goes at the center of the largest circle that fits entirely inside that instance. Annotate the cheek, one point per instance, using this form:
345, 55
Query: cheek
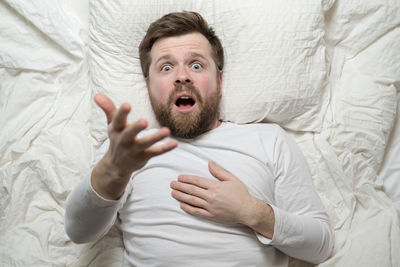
208, 84
160, 89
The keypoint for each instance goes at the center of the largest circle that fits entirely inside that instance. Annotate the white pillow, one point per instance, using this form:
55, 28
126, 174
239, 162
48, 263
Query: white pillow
274, 50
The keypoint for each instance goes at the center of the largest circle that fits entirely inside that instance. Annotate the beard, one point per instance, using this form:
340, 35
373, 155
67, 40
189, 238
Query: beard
192, 124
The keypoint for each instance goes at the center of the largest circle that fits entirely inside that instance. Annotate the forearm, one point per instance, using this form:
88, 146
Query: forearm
88, 217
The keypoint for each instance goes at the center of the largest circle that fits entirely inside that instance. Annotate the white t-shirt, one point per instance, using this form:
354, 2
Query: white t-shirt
157, 232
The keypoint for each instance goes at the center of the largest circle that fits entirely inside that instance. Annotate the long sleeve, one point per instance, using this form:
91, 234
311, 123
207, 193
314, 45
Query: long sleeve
88, 216
306, 237
301, 226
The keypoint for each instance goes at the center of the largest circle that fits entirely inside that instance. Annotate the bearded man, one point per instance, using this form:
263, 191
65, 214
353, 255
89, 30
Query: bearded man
217, 193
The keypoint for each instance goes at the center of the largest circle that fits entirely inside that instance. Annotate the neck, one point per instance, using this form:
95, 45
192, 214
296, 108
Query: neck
215, 125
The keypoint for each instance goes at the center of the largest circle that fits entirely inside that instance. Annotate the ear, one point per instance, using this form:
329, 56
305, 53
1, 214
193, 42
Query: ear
220, 74
147, 80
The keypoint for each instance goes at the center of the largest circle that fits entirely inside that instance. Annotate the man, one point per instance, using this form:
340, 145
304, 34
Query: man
220, 194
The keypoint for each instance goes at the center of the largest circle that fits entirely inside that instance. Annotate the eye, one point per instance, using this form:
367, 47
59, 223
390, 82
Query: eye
197, 66
166, 68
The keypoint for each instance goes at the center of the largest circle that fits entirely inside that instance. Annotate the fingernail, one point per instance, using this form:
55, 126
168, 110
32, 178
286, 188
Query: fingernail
142, 122
173, 193
214, 163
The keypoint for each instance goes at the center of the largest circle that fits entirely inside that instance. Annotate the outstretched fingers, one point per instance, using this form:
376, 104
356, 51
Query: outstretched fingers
106, 105
132, 130
119, 121
146, 145
151, 139
156, 150
115, 117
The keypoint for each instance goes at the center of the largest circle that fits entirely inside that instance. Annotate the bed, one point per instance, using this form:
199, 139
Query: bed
327, 71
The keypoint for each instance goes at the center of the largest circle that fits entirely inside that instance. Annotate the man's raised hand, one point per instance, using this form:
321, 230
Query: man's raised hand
126, 153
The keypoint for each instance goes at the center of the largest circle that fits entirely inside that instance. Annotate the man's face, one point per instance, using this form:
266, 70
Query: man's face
184, 85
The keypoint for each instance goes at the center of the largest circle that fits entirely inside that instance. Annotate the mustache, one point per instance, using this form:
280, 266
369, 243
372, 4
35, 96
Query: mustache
188, 88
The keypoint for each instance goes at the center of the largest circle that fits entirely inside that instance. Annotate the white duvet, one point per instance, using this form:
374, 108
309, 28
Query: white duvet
327, 71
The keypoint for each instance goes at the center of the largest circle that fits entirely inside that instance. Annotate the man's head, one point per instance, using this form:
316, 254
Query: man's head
182, 61
176, 24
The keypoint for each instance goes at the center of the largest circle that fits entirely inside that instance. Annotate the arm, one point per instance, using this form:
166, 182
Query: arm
88, 216
92, 206
304, 230
296, 223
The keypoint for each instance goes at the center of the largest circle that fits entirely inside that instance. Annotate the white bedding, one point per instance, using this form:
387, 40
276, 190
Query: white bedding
341, 104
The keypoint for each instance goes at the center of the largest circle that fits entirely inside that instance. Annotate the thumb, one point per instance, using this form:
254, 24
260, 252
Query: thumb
219, 172
106, 105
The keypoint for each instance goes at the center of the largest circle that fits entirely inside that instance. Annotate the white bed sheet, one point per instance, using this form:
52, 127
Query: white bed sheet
48, 140
390, 169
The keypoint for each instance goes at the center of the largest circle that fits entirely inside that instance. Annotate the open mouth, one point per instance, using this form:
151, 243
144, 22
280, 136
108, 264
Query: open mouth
185, 103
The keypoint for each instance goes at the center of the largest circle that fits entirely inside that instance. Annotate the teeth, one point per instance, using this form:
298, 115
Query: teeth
184, 97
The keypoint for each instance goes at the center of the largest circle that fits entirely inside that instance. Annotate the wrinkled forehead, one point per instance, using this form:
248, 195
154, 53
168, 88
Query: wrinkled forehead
193, 44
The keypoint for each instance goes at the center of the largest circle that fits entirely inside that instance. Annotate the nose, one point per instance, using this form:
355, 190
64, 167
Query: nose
182, 76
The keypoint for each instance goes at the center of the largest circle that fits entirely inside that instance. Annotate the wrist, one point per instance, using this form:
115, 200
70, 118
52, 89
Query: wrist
260, 218
107, 180
111, 166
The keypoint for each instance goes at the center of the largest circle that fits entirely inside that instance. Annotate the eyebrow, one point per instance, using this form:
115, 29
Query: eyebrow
197, 55
165, 57
190, 55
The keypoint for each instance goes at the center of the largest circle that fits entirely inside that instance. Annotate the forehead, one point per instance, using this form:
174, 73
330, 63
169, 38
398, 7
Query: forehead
192, 42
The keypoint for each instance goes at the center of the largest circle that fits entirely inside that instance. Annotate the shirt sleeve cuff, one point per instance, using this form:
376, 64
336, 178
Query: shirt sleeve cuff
96, 198
286, 230
265, 240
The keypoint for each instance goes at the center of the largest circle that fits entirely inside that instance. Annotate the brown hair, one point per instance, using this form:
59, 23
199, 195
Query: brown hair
176, 24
